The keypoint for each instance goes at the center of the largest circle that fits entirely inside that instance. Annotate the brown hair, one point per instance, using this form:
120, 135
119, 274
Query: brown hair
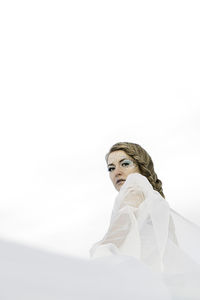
142, 159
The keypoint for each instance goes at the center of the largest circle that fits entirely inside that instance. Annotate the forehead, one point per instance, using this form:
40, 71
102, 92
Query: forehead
117, 156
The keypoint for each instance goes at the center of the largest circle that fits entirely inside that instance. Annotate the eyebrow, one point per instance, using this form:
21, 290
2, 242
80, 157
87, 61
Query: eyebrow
119, 161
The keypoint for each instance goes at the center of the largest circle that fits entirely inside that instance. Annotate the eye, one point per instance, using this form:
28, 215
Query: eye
110, 169
127, 162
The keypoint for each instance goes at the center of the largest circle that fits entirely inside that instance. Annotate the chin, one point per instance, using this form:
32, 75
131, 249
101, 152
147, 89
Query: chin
118, 188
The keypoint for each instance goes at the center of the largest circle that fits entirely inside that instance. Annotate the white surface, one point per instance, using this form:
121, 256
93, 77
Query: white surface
27, 273
77, 77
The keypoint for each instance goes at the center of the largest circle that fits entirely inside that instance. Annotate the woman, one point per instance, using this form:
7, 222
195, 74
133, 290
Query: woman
143, 225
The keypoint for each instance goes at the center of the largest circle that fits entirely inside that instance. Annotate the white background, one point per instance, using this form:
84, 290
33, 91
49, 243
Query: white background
77, 77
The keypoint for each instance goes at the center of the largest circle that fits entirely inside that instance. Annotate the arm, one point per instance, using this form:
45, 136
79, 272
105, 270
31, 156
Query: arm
123, 236
140, 225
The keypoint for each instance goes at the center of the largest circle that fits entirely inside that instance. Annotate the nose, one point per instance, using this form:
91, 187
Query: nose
117, 172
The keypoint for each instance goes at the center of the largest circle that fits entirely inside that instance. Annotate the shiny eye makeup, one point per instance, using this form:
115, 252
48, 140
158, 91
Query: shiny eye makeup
124, 163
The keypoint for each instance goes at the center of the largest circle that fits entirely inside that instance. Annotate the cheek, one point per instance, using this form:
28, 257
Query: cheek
112, 179
111, 176
133, 170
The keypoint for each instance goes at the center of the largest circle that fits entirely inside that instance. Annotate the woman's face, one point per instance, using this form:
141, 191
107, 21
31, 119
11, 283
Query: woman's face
120, 165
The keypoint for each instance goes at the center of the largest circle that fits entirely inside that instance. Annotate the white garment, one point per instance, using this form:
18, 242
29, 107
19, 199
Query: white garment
143, 226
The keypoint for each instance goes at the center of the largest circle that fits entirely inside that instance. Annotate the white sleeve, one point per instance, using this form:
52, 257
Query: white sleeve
140, 223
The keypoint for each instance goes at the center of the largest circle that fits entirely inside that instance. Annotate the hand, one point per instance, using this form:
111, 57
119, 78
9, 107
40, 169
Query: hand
137, 182
133, 198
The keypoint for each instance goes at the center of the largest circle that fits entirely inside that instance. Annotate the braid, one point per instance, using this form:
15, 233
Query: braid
143, 160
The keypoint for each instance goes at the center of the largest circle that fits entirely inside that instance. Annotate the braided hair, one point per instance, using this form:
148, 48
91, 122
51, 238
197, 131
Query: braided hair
142, 159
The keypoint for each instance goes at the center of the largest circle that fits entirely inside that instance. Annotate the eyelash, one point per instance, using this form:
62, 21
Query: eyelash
109, 169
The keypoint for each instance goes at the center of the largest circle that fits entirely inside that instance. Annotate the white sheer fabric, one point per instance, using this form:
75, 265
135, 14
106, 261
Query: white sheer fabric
143, 226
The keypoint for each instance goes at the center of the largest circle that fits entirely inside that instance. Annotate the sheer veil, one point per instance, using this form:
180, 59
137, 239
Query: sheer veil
143, 226
188, 235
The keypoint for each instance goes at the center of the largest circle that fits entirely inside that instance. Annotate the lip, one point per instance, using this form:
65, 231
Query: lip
120, 181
